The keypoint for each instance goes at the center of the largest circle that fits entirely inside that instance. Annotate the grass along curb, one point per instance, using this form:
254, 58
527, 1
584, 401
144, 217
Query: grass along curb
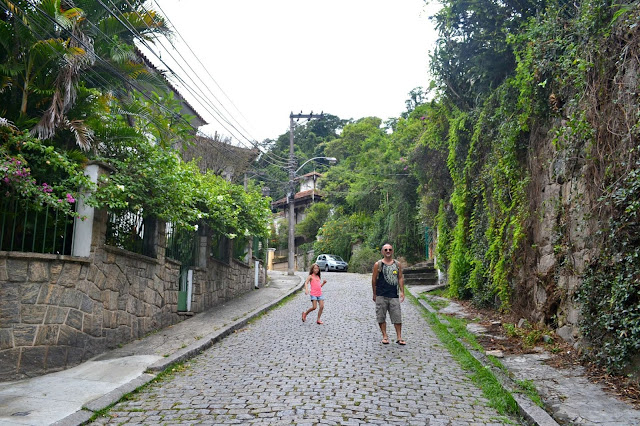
498, 397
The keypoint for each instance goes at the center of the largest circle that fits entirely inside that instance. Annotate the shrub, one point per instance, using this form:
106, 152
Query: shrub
363, 259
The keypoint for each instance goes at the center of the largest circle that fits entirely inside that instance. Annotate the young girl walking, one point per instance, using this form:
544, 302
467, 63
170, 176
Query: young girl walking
313, 285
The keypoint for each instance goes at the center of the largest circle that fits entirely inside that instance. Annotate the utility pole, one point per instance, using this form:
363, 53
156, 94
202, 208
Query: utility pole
292, 189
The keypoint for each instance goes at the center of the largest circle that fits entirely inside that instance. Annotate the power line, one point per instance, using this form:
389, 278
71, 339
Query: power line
200, 95
108, 67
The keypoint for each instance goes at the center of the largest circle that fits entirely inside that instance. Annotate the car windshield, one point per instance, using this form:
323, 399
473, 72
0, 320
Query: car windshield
338, 258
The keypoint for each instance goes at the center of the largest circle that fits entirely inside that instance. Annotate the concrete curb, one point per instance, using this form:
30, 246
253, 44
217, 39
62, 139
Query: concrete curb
89, 409
526, 407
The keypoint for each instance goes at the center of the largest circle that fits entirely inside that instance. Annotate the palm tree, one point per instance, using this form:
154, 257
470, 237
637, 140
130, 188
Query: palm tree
50, 47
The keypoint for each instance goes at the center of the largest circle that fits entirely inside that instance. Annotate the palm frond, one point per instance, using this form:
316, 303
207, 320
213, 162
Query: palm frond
6, 123
83, 134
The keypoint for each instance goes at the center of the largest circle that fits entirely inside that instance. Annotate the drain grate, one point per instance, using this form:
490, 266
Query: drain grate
21, 413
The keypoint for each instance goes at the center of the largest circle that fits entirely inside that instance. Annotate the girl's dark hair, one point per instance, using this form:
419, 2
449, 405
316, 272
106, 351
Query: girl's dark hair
311, 270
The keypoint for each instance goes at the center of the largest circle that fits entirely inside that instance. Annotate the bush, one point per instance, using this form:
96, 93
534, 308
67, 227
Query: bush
363, 259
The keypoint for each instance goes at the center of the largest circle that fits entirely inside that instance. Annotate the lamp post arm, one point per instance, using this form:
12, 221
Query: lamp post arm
331, 160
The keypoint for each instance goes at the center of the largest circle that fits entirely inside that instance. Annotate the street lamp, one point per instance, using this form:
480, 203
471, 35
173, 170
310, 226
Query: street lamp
292, 200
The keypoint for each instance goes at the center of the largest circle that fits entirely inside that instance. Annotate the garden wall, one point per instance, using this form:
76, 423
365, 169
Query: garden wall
58, 311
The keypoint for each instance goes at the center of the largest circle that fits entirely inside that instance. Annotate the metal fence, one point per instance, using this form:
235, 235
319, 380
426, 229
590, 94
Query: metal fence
182, 245
34, 229
220, 248
126, 231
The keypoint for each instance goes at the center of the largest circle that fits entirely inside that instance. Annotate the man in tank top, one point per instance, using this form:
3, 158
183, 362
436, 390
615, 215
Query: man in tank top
388, 292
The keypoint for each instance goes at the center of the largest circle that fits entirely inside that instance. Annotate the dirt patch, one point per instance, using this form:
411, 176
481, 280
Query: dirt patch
500, 335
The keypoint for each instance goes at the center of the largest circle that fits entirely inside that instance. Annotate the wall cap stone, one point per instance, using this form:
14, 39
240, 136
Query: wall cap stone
44, 256
123, 252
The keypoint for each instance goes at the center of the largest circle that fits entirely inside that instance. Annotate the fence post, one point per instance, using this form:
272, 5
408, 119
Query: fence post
83, 229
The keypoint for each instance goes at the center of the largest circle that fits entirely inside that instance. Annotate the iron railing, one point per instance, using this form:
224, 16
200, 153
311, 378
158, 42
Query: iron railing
28, 228
220, 248
126, 231
182, 245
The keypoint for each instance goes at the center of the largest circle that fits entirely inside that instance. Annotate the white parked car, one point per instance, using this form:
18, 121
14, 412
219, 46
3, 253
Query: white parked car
331, 262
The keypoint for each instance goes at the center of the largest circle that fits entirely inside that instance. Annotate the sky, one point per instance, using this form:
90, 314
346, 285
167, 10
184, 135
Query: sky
246, 65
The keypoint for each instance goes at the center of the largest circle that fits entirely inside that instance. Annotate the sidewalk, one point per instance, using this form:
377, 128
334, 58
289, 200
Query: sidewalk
70, 397
568, 396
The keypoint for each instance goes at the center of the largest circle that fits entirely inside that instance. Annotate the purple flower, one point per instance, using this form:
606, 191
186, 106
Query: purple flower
70, 199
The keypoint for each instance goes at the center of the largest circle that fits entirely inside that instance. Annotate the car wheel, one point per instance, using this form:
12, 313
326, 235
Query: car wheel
326, 268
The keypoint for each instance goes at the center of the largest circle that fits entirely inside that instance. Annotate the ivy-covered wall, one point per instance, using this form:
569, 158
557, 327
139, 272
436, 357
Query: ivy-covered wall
543, 216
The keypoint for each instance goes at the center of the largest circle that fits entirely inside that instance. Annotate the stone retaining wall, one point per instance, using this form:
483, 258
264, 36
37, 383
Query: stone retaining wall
58, 311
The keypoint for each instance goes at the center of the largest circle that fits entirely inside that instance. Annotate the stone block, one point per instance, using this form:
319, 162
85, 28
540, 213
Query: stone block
17, 270
33, 314
47, 335
94, 346
121, 302
67, 336
71, 298
3, 269
74, 319
122, 318
29, 292
86, 304
9, 364
24, 335
92, 326
56, 315
50, 295
38, 271
110, 336
92, 272
112, 276
9, 305
32, 360
56, 358
84, 271
54, 271
100, 280
70, 275
110, 301
109, 319
75, 356
6, 338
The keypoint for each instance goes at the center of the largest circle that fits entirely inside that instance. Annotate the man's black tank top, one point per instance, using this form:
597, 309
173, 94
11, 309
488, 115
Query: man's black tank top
387, 282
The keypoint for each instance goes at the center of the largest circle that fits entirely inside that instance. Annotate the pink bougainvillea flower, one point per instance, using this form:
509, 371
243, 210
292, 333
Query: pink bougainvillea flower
70, 199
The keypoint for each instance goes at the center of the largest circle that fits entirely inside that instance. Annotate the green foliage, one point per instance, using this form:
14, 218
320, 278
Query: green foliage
316, 215
609, 295
338, 235
39, 174
363, 259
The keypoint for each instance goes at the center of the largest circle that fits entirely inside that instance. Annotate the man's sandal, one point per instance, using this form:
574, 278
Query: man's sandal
401, 342
385, 341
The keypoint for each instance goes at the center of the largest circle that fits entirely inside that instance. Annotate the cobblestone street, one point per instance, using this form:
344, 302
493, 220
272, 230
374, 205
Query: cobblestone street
279, 370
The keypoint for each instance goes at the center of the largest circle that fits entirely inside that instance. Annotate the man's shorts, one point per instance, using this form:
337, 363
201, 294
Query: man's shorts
391, 304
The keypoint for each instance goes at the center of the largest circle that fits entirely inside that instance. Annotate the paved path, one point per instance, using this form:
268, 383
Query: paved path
280, 370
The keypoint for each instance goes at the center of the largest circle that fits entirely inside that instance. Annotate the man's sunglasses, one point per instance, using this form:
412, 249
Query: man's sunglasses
388, 249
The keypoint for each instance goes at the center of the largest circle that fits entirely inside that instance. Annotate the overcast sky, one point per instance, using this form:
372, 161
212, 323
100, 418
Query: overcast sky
265, 59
